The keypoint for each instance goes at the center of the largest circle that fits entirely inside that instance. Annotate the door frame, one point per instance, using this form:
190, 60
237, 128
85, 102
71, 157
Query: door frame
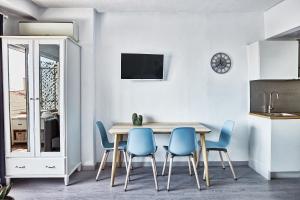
30, 103
2, 143
36, 63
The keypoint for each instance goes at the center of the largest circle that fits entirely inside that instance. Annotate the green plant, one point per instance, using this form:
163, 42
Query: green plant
137, 120
4, 190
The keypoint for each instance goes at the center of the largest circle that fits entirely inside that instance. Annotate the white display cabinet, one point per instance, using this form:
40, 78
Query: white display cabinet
41, 79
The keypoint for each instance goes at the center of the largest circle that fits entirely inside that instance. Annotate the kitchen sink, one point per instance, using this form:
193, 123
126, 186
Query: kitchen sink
282, 114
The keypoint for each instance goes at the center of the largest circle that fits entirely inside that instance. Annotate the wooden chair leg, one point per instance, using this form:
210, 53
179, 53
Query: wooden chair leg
125, 159
164, 166
231, 166
105, 154
195, 171
128, 172
154, 172
170, 172
189, 163
222, 161
155, 164
105, 159
131, 164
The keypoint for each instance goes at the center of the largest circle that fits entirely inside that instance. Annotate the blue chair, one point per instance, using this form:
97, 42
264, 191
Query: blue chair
108, 147
182, 143
222, 145
141, 143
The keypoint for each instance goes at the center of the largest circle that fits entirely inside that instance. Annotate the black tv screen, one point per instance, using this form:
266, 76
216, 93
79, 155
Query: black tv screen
141, 66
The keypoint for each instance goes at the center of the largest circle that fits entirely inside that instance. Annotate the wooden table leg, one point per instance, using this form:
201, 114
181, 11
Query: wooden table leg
196, 155
114, 161
119, 157
204, 154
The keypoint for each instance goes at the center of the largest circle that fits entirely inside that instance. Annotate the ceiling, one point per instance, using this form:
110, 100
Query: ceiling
202, 6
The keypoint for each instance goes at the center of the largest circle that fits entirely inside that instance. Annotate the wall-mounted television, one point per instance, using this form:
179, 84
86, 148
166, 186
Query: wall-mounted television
142, 66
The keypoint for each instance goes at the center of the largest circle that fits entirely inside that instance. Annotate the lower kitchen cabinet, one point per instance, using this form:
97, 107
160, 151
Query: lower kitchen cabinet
274, 146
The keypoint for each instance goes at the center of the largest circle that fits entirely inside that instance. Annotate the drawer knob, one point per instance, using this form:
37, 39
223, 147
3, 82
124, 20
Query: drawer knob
50, 167
20, 167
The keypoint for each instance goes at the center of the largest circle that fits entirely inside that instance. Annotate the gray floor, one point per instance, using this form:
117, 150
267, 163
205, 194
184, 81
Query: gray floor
250, 186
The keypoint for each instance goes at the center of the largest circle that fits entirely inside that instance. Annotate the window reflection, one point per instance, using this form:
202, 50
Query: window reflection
49, 98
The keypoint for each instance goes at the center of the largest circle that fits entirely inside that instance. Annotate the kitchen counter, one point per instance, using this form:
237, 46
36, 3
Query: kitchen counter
274, 143
275, 116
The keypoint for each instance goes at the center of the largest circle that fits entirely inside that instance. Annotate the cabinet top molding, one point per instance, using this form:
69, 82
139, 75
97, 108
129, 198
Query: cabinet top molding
38, 37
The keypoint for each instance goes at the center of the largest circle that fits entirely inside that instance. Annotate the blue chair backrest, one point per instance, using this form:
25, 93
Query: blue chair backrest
226, 132
103, 134
141, 141
182, 141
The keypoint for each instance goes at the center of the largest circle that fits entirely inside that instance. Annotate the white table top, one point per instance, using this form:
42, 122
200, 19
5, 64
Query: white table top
158, 127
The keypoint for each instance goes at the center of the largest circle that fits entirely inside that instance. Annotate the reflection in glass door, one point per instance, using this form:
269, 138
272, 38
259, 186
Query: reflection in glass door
49, 84
18, 97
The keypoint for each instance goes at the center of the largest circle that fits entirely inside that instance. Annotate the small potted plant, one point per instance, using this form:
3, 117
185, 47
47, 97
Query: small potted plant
137, 120
4, 190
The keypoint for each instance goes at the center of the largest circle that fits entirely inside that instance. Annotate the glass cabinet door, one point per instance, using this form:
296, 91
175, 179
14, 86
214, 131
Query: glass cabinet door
19, 96
48, 100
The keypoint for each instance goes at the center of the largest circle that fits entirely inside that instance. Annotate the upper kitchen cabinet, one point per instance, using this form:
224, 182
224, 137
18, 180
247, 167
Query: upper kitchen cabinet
273, 60
282, 18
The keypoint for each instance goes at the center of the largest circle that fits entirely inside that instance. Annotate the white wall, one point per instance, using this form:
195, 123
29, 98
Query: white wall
85, 17
282, 18
192, 91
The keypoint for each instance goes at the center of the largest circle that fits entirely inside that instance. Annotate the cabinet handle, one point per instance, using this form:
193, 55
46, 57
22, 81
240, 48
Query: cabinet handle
31, 98
37, 98
20, 167
50, 167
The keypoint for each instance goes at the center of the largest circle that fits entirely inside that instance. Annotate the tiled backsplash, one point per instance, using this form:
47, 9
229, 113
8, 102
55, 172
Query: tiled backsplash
289, 95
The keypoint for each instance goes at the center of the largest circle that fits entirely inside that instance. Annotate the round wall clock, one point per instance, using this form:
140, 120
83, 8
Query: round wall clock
220, 63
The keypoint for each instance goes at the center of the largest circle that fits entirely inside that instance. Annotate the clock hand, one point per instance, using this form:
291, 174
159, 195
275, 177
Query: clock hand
221, 63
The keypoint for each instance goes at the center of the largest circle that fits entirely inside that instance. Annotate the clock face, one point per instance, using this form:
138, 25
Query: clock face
220, 63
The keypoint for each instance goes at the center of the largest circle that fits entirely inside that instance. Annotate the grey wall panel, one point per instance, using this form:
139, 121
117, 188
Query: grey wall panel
289, 95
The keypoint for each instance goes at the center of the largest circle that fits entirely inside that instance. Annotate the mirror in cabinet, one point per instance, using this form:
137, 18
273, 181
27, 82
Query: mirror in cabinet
18, 97
49, 98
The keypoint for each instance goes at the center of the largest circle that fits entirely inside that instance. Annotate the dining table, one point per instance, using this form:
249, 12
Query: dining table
118, 130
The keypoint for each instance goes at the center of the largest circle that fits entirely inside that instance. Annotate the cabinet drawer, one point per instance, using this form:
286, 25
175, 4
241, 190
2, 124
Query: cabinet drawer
18, 166
51, 166
36, 166
18, 124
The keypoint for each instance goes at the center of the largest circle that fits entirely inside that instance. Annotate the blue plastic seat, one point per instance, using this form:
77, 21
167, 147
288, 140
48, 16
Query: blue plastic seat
222, 144
182, 143
141, 143
108, 146
211, 145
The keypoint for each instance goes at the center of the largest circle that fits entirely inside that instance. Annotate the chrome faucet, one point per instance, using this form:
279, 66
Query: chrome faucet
271, 103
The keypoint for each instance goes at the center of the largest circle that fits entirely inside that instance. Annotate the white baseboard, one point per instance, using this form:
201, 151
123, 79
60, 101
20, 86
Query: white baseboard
160, 164
285, 175
88, 167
